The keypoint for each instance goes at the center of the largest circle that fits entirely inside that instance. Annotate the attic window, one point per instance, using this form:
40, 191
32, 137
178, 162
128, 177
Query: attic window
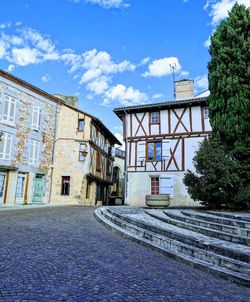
80, 125
154, 117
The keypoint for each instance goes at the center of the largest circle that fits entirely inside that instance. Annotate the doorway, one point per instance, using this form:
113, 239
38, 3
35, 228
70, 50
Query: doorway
38, 189
2, 186
20, 187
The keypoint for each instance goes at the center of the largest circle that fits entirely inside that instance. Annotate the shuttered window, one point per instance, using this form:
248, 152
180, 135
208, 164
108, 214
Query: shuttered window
36, 118
165, 149
34, 152
141, 152
6, 146
9, 109
166, 185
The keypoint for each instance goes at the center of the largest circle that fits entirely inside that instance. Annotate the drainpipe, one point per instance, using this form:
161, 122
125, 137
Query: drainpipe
126, 161
53, 154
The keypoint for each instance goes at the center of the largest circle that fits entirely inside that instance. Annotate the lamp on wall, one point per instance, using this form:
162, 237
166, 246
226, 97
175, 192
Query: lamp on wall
84, 151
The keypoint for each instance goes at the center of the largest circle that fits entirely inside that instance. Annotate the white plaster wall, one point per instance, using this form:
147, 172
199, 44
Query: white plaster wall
139, 185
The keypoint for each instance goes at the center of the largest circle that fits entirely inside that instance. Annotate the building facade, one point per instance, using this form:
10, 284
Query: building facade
84, 153
161, 140
27, 133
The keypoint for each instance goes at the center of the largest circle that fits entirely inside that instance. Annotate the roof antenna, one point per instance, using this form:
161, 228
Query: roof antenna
173, 67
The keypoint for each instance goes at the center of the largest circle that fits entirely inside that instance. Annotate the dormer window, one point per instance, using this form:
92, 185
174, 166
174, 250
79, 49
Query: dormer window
154, 118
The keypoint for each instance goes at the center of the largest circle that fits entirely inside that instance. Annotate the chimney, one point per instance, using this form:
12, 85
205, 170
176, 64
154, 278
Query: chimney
184, 89
68, 99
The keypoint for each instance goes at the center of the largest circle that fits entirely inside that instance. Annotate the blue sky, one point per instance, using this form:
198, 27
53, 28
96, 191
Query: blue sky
109, 53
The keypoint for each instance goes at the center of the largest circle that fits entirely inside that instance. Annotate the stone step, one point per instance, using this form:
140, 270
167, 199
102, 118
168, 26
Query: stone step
217, 219
177, 214
206, 261
223, 248
235, 216
175, 219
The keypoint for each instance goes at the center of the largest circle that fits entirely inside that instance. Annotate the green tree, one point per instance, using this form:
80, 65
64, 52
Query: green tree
216, 180
223, 164
229, 82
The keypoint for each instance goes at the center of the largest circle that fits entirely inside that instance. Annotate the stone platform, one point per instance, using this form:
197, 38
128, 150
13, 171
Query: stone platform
215, 242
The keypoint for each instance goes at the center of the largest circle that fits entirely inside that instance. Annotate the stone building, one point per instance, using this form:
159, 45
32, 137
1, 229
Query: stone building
118, 187
83, 157
161, 140
27, 130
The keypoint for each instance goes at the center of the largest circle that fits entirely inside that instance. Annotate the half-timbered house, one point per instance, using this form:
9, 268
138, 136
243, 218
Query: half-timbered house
161, 140
83, 157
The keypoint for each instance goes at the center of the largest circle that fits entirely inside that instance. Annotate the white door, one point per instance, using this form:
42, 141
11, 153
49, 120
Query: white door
2, 186
20, 187
167, 185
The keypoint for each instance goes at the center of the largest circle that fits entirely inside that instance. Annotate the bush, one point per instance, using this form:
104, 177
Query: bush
216, 182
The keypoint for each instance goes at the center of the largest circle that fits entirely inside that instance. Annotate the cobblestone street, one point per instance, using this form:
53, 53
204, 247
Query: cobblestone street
64, 254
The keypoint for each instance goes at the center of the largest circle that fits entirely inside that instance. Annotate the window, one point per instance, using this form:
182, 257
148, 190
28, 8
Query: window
9, 109
154, 151
98, 161
81, 124
154, 117
65, 185
36, 118
155, 186
81, 152
108, 172
6, 146
206, 113
34, 152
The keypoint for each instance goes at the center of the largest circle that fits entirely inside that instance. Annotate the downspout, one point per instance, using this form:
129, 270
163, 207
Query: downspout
126, 161
53, 154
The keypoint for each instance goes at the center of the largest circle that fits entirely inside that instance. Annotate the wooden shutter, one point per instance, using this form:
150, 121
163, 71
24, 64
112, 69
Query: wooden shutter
36, 118
6, 106
36, 152
166, 185
141, 152
6, 145
165, 149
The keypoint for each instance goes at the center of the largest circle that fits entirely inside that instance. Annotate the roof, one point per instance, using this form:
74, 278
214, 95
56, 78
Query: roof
121, 111
57, 100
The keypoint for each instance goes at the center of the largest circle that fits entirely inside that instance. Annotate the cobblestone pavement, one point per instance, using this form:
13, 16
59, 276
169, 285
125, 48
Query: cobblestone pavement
64, 254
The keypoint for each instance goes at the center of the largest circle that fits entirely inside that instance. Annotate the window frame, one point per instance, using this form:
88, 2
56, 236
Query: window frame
6, 136
78, 126
155, 153
98, 161
62, 183
6, 118
155, 185
158, 119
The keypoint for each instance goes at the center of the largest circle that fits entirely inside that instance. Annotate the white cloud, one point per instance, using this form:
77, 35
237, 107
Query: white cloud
207, 43
218, 10
124, 95
46, 78
184, 73
157, 96
120, 139
109, 3
5, 25
10, 68
145, 61
27, 46
99, 86
162, 67
201, 83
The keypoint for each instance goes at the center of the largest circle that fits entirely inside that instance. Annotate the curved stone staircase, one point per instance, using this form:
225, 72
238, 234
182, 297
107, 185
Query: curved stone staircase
215, 242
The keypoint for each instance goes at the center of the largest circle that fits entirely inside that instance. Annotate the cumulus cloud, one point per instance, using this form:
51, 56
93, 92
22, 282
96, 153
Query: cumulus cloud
157, 96
46, 78
120, 139
27, 46
125, 95
162, 67
218, 10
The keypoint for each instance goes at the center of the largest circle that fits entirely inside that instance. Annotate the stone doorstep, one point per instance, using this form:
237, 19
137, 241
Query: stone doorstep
236, 216
227, 249
172, 219
179, 247
216, 226
216, 271
216, 219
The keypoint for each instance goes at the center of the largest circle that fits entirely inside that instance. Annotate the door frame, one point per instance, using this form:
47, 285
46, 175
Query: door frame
2, 199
